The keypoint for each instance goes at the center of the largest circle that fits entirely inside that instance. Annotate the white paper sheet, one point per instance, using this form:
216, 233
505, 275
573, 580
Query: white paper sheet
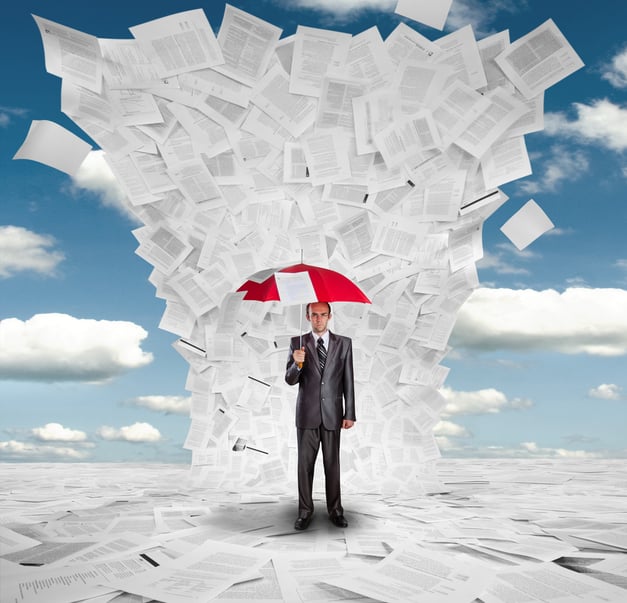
430, 12
539, 59
526, 225
53, 145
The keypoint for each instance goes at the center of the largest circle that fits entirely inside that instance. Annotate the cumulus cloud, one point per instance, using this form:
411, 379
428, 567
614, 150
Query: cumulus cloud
136, 433
8, 113
480, 13
500, 264
14, 450
616, 72
343, 8
603, 123
445, 444
577, 321
55, 432
168, 404
95, 175
22, 250
606, 391
537, 451
525, 450
482, 401
562, 165
59, 347
450, 429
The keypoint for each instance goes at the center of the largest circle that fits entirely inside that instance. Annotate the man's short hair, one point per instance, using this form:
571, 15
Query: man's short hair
322, 302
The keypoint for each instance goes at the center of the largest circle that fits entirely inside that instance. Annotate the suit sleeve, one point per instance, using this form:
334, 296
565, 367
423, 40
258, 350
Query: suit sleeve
292, 372
349, 384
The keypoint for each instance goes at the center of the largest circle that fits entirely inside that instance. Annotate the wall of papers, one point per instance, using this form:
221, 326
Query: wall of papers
381, 159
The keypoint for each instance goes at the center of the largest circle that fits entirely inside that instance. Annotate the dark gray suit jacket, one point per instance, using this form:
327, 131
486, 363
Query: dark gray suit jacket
323, 398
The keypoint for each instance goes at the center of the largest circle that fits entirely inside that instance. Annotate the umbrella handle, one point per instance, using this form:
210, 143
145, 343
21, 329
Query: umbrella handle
300, 364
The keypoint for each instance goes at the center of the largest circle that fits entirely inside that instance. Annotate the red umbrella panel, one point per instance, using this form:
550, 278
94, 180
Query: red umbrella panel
302, 283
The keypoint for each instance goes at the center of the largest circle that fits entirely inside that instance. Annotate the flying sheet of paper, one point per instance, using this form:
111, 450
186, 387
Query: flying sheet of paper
317, 52
526, 225
506, 160
539, 59
295, 287
179, 43
247, 45
53, 145
71, 54
430, 12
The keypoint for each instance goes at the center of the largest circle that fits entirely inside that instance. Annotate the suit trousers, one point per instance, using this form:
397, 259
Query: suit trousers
309, 441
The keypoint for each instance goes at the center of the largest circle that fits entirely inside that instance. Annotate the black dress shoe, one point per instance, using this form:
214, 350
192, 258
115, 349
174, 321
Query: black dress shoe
339, 521
302, 523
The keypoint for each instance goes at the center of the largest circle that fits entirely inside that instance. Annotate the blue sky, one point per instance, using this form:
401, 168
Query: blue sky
538, 366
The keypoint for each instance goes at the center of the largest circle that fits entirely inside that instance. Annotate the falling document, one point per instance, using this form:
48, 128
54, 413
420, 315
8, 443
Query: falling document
526, 225
53, 145
429, 12
295, 288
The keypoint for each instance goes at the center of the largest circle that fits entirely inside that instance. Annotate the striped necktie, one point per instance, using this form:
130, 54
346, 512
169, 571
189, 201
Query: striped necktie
322, 353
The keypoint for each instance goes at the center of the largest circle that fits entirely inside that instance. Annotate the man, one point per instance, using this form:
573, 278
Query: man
322, 365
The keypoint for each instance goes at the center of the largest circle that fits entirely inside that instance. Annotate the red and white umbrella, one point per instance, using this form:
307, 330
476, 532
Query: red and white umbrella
301, 284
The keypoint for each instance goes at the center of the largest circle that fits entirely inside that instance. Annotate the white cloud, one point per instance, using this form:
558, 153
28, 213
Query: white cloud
169, 404
536, 451
500, 264
616, 72
8, 113
559, 232
602, 122
563, 165
344, 7
138, 432
59, 347
526, 450
482, 401
606, 391
474, 12
481, 14
14, 450
22, 250
577, 321
55, 432
95, 175
445, 443
478, 13
450, 429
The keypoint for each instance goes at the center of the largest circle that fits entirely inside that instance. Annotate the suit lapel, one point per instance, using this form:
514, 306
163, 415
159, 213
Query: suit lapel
334, 348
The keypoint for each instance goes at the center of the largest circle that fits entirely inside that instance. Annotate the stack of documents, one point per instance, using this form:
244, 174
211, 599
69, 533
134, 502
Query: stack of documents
380, 159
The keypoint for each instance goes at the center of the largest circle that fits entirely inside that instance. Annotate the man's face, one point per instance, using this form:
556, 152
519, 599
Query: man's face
319, 316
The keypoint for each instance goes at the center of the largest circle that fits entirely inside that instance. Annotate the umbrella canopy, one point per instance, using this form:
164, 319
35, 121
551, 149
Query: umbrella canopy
302, 283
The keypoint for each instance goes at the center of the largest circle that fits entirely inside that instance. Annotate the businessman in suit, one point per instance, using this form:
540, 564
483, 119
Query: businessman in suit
322, 365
